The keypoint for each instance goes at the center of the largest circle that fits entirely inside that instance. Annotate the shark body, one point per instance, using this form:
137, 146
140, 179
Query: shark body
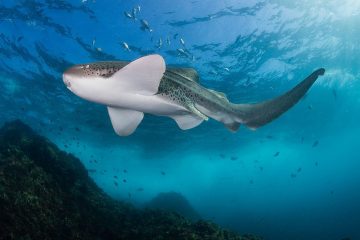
146, 85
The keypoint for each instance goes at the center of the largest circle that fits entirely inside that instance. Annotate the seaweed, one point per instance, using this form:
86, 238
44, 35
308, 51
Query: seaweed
46, 193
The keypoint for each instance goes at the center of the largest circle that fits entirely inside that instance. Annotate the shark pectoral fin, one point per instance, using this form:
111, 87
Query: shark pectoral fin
142, 76
187, 121
124, 121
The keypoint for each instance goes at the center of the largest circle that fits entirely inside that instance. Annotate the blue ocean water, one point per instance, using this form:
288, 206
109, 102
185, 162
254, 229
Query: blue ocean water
295, 178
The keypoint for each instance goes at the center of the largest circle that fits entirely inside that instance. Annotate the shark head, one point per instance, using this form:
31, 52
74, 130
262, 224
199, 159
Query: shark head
73, 74
79, 79
121, 86
83, 79
103, 82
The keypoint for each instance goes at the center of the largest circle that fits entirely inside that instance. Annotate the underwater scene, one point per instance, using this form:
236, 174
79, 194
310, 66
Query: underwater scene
233, 119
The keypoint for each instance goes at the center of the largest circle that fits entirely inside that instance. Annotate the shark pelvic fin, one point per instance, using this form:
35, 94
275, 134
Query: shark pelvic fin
195, 111
124, 121
187, 121
141, 76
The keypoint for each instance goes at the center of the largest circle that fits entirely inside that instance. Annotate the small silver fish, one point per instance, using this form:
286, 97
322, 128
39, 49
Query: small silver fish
134, 13
213, 72
145, 25
159, 43
126, 46
182, 42
182, 52
128, 15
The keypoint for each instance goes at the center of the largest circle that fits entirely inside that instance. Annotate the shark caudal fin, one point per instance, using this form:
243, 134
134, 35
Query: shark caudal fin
259, 114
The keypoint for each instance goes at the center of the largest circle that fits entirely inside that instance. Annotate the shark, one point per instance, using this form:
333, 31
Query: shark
147, 85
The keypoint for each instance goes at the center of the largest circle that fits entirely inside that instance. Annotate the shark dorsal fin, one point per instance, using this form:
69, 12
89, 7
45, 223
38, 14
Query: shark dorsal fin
141, 76
187, 73
219, 94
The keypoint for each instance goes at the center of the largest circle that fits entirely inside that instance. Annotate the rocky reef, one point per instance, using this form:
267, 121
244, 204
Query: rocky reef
174, 202
46, 193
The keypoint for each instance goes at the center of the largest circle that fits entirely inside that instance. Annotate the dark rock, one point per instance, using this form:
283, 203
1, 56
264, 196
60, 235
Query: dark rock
46, 193
175, 202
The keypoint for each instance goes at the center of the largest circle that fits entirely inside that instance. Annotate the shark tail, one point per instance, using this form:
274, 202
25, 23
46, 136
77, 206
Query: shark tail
259, 114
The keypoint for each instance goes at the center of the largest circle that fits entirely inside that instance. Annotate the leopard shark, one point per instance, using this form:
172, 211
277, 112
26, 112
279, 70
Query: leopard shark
147, 85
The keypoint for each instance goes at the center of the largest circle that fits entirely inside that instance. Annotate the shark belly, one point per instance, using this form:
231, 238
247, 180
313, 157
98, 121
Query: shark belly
127, 111
154, 104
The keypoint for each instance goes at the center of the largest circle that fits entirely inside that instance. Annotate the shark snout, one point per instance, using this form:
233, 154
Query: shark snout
66, 80
70, 74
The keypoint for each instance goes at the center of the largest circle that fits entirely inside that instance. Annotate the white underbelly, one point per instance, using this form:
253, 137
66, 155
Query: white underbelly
154, 104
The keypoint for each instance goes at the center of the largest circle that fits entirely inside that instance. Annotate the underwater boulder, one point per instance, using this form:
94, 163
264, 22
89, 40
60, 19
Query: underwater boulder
46, 193
175, 202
